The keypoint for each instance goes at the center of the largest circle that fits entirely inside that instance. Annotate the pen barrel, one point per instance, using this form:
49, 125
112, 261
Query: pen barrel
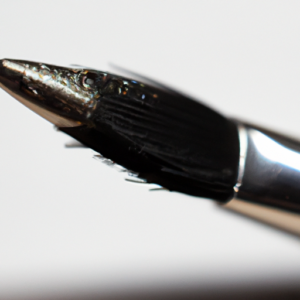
269, 169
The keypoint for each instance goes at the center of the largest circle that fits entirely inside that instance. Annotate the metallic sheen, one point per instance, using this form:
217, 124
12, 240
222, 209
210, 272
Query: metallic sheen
272, 170
243, 139
64, 96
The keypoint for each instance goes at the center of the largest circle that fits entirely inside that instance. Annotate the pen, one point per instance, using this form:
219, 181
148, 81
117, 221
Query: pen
164, 137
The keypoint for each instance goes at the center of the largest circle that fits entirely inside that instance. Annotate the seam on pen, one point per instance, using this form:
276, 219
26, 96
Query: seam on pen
243, 139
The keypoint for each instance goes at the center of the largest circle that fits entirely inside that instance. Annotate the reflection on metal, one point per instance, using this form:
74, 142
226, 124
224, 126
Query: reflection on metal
286, 221
53, 92
274, 151
243, 153
55, 119
272, 170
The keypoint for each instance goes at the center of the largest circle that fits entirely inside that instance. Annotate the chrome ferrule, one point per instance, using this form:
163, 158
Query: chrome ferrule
269, 172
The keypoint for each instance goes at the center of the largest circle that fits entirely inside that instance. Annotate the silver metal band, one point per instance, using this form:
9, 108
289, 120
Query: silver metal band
269, 171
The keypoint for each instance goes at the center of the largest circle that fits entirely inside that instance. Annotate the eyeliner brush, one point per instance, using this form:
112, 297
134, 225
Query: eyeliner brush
162, 136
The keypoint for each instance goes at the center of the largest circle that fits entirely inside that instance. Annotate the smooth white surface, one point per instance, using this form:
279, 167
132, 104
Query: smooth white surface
69, 223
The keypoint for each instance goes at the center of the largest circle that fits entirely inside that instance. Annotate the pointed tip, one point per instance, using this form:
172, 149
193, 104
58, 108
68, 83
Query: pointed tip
4, 65
31, 84
9, 77
3, 61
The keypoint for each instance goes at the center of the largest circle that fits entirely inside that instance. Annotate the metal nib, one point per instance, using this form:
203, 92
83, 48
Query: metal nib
53, 92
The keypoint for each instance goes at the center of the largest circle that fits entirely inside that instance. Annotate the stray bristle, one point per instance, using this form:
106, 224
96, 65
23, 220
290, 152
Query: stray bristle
165, 137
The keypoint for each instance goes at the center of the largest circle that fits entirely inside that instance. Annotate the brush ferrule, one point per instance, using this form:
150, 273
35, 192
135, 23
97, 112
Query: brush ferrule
269, 171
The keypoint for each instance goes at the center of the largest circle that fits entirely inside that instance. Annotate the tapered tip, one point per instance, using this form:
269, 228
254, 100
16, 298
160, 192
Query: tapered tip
52, 92
8, 78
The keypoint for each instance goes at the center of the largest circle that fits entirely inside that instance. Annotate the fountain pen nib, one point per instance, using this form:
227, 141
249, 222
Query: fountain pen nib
55, 93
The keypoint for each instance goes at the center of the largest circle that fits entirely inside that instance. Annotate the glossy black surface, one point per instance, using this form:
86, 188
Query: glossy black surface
165, 137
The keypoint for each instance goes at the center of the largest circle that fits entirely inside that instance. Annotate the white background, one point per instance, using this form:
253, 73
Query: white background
69, 223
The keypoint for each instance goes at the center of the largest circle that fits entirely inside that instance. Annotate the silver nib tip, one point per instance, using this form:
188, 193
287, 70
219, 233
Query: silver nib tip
54, 93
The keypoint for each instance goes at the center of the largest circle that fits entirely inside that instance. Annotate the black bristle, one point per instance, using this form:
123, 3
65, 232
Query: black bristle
165, 137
